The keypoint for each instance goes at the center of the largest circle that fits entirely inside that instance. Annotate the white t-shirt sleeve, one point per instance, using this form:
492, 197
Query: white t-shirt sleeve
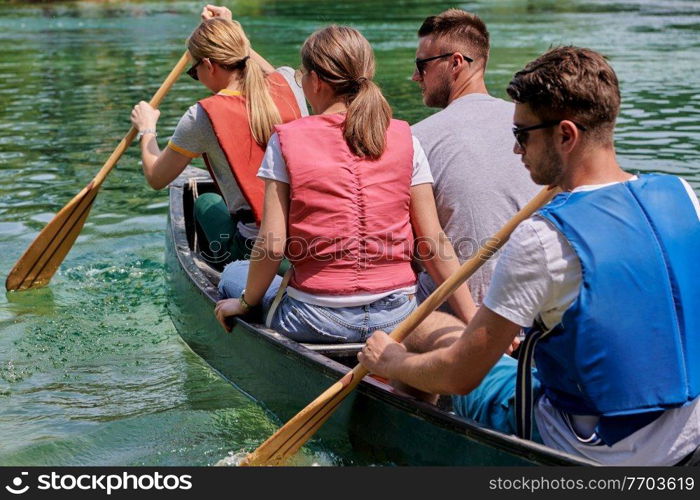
421, 167
693, 197
538, 274
288, 74
273, 165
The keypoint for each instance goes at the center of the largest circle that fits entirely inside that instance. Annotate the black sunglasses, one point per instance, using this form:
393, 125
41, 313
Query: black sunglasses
521, 133
421, 63
192, 72
228, 67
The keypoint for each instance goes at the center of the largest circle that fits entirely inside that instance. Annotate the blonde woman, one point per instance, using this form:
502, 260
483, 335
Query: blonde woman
345, 192
229, 129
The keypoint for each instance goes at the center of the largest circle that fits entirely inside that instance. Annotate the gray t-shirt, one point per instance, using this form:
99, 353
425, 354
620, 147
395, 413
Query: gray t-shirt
194, 136
479, 182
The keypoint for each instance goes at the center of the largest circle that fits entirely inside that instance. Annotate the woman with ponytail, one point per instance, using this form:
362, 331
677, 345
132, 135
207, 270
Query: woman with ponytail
346, 191
229, 129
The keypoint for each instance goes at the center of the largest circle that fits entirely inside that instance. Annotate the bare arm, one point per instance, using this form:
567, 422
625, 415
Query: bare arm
269, 246
159, 167
456, 369
267, 252
435, 250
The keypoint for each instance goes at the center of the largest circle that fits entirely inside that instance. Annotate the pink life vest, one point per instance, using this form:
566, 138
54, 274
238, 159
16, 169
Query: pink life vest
349, 228
229, 120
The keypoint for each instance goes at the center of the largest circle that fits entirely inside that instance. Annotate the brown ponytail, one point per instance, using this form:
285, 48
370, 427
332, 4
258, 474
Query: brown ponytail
342, 57
224, 42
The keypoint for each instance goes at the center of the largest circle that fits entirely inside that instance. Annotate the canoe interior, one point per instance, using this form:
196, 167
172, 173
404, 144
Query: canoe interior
375, 424
344, 353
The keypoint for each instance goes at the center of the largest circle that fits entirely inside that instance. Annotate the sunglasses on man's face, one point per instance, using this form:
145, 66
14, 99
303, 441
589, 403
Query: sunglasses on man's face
421, 63
192, 72
522, 133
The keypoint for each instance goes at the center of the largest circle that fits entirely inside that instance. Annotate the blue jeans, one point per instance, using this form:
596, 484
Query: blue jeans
427, 286
492, 403
305, 322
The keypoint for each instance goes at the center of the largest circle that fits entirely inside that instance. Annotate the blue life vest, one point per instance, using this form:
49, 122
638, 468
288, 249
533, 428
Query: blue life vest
628, 348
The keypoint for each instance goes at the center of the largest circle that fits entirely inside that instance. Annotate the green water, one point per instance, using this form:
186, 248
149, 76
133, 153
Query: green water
92, 370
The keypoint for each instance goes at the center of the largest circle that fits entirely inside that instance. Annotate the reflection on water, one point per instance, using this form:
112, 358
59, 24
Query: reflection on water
91, 368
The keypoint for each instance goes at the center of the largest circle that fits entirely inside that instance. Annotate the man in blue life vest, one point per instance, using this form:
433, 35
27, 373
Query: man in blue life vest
604, 278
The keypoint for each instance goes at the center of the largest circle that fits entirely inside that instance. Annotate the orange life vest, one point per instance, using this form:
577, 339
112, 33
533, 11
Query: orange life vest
349, 222
229, 120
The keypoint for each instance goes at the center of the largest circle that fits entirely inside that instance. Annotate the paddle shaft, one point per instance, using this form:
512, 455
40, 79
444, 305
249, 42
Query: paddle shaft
154, 102
41, 259
292, 436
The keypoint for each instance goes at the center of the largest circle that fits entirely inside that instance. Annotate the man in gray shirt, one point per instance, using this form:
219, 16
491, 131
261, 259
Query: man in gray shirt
479, 182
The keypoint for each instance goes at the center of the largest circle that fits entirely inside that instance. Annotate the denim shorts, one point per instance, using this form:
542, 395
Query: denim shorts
305, 322
492, 403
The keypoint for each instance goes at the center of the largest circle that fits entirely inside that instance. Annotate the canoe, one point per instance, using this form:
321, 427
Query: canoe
375, 424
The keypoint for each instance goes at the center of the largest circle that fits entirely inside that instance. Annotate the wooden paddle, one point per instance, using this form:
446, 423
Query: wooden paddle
291, 436
40, 261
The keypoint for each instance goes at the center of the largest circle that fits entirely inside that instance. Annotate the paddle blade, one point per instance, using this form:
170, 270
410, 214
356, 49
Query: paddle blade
284, 443
40, 261
42, 258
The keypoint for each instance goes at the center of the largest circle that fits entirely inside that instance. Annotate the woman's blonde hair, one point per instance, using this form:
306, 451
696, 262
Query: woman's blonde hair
224, 42
342, 57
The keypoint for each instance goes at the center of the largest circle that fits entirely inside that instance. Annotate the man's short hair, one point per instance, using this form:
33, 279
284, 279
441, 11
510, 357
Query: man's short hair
460, 30
570, 83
